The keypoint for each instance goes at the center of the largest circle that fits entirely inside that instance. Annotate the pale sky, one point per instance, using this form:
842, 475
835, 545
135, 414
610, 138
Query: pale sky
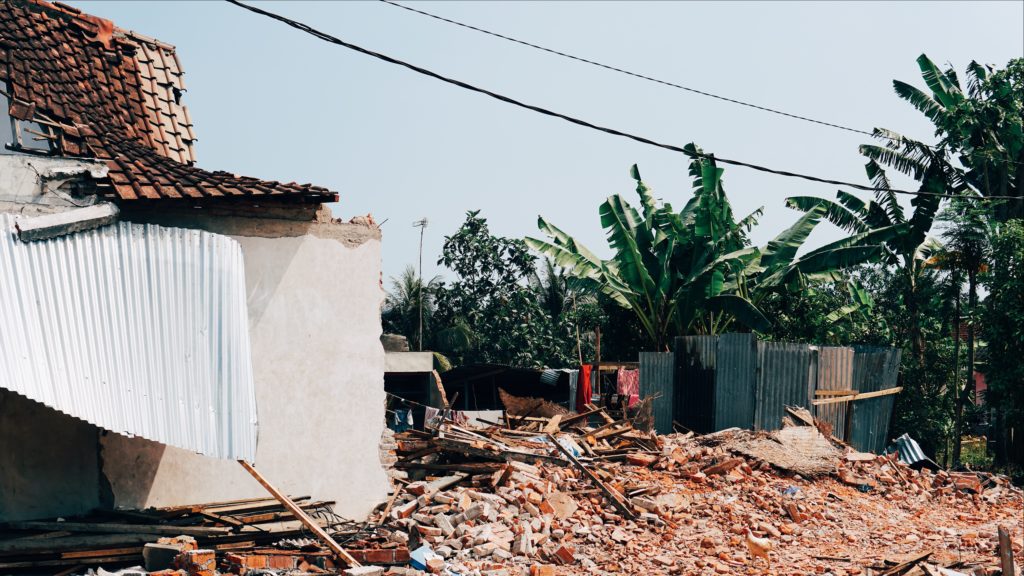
272, 102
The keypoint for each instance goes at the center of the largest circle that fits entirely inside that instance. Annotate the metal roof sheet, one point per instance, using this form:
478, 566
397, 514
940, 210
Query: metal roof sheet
138, 329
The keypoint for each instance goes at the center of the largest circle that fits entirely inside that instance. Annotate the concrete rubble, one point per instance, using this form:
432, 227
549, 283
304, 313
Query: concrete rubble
568, 496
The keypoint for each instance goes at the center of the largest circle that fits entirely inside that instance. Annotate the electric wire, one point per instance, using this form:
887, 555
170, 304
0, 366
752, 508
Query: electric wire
650, 78
579, 122
622, 70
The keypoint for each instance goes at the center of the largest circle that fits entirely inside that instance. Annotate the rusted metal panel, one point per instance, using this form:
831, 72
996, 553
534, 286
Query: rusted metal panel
786, 377
874, 368
142, 330
657, 379
735, 381
695, 382
835, 372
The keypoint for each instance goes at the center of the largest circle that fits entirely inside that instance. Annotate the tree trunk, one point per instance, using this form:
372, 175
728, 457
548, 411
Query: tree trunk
954, 388
916, 337
965, 393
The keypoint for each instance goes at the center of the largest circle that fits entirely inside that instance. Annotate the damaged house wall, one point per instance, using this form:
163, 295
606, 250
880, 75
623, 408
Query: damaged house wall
50, 460
314, 300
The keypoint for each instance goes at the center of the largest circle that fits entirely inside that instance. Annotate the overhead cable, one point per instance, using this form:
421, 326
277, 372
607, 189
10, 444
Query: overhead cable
623, 71
579, 122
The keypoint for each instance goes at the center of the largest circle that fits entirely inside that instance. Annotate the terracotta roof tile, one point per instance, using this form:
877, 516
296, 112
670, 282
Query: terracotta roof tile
117, 96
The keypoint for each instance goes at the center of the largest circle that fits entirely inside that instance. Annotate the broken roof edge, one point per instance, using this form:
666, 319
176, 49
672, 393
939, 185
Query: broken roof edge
147, 161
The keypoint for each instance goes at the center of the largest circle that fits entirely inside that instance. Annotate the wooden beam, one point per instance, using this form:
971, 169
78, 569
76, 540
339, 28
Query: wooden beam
308, 522
613, 496
110, 528
1006, 552
861, 396
835, 392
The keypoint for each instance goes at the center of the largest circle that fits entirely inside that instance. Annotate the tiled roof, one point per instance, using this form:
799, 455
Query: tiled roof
115, 95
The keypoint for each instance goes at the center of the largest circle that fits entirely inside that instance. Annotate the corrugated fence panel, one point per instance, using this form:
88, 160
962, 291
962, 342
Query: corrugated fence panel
874, 368
695, 382
657, 378
139, 329
835, 372
735, 381
786, 376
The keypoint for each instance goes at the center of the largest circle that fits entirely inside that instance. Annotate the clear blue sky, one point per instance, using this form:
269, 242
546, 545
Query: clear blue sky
272, 102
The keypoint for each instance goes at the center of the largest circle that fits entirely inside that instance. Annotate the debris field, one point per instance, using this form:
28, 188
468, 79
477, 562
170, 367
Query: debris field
584, 494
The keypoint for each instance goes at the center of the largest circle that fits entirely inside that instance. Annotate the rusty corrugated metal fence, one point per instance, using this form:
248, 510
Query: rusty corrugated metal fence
142, 330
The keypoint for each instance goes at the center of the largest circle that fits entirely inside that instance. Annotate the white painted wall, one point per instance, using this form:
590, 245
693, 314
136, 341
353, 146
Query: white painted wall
314, 312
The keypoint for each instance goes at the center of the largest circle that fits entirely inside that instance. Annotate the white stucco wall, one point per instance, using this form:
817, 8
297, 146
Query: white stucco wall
314, 311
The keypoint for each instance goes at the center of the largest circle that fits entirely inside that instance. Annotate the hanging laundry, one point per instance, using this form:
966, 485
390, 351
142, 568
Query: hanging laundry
583, 388
628, 385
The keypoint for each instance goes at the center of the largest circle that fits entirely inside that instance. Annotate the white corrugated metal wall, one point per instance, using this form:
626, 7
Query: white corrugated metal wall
138, 329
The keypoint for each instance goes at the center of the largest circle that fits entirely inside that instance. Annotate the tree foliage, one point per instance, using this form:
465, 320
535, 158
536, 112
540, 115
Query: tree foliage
1003, 328
695, 271
401, 312
488, 313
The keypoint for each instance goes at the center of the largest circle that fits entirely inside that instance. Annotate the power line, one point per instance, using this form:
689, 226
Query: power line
623, 71
579, 122
645, 77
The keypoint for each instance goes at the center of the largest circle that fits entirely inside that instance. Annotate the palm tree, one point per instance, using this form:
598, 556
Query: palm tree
402, 304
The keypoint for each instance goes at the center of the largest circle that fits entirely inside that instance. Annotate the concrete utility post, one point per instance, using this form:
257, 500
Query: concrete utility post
422, 225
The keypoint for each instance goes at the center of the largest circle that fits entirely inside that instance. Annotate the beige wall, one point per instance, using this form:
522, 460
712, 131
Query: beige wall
314, 311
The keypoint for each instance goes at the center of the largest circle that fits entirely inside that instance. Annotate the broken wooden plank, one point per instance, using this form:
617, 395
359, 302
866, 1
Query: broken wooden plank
58, 545
905, 566
613, 496
111, 528
302, 516
1006, 552
860, 396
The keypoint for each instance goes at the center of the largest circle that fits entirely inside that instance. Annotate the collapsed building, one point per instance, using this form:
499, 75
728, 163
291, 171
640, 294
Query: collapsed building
157, 317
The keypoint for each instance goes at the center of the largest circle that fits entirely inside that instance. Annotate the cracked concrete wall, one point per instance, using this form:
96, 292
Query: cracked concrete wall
314, 298
33, 184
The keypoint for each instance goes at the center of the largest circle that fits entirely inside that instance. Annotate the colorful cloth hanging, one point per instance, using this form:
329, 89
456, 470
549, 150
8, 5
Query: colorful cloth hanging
628, 385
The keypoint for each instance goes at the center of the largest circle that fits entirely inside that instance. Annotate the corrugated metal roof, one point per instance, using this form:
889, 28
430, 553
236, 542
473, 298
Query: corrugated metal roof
138, 329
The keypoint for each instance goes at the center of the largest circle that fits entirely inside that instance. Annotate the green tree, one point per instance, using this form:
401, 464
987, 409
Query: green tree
965, 255
695, 271
402, 305
488, 313
1003, 329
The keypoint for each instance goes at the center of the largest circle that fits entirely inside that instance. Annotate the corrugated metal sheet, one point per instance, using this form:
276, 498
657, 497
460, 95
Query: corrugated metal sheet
657, 378
910, 453
142, 330
874, 368
695, 383
786, 377
735, 381
835, 372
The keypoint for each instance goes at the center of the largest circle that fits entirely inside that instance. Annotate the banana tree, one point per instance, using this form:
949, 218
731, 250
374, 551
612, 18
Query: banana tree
695, 271
670, 268
906, 243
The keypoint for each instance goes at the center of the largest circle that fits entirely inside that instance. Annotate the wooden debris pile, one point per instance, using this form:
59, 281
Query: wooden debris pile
233, 536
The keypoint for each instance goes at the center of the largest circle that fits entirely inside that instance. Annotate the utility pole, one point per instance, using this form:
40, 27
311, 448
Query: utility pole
422, 225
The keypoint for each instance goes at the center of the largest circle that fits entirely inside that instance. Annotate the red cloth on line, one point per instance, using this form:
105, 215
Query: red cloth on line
629, 385
583, 388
